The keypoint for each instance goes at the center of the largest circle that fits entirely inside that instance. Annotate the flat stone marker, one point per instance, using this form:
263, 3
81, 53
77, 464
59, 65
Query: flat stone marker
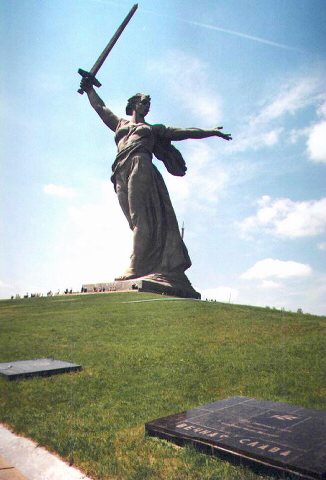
37, 367
269, 435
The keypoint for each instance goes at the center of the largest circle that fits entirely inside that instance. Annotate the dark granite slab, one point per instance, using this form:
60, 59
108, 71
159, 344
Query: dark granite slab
272, 436
37, 367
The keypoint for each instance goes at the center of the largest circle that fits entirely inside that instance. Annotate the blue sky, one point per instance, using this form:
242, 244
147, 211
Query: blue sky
254, 209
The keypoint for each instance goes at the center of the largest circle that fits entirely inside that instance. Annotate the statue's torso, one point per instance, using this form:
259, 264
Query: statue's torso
129, 133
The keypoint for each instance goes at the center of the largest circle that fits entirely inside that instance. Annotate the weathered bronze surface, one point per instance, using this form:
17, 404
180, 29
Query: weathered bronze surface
159, 253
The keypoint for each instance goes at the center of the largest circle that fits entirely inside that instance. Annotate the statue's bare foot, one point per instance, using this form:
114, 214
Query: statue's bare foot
125, 277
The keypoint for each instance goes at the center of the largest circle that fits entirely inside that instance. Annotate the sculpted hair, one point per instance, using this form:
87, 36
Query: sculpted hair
133, 100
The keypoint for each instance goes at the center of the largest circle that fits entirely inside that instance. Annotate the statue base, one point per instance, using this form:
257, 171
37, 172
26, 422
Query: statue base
176, 286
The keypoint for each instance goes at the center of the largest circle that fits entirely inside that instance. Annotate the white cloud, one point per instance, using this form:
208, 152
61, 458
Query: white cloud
255, 138
204, 182
266, 126
273, 268
188, 79
221, 294
316, 143
297, 133
243, 35
59, 191
270, 284
293, 96
6, 289
315, 134
99, 238
92, 244
285, 218
322, 246
321, 111
306, 292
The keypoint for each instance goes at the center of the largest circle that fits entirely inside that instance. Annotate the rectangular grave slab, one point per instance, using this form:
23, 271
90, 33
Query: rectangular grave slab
36, 367
272, 436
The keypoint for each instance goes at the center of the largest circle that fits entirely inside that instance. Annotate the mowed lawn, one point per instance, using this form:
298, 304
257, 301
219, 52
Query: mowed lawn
144, 360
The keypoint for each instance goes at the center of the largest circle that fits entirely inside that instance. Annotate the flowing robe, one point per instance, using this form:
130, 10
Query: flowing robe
158, 248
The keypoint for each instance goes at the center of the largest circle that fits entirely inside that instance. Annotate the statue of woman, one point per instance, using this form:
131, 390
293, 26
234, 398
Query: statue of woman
159, 252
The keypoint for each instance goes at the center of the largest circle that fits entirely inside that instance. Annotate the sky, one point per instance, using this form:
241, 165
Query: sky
254, 209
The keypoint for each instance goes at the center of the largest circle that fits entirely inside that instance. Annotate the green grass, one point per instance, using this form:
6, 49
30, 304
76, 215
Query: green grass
146, 360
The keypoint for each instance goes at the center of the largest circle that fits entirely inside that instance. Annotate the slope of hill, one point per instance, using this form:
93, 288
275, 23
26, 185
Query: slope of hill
145, 356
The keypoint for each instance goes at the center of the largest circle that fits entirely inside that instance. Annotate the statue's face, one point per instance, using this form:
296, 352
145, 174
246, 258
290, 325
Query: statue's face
143, 105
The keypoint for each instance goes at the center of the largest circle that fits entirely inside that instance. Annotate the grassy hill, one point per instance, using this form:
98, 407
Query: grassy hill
147, 359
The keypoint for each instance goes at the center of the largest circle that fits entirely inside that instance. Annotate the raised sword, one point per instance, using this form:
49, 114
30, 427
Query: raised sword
99, 62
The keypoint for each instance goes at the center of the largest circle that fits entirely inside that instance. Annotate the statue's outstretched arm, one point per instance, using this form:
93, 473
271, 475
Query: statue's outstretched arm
108, 117
197, 133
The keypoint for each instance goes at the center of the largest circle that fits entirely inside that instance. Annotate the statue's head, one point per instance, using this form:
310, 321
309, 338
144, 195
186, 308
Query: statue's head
138, 99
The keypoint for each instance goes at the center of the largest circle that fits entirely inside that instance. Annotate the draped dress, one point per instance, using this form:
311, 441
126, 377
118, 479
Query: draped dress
158, 248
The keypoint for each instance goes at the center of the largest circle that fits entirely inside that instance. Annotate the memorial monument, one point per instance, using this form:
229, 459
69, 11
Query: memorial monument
159, 257
38, 367
271, 437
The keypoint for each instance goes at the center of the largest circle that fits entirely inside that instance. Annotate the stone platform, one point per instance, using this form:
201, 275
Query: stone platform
175, 288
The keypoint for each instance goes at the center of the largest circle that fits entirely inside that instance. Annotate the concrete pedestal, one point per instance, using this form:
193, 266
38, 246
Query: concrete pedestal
177, 287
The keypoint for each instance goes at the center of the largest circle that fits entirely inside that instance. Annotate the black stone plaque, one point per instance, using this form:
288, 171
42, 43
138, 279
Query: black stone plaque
277, 437
37, 367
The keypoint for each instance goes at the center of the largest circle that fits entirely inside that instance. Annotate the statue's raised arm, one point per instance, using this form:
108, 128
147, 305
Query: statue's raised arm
108, 117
